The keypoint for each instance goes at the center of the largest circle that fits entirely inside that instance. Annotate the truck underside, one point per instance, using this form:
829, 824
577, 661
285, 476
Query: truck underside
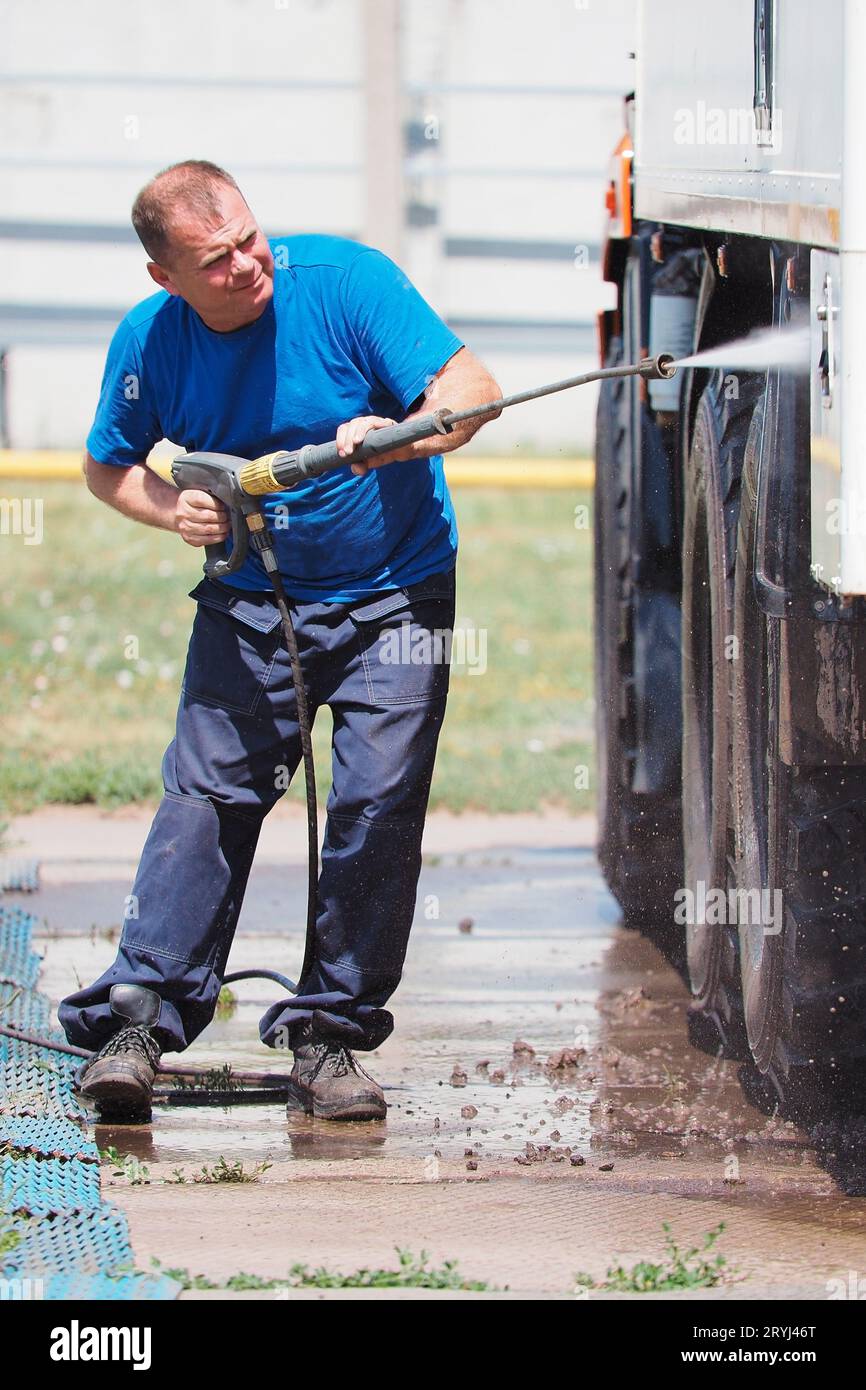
731, 738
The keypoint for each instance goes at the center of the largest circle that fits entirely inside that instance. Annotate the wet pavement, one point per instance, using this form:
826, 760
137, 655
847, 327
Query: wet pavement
546, 1111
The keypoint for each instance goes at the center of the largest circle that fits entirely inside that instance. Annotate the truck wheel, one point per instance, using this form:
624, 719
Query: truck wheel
800, 834
639, 849
711, 506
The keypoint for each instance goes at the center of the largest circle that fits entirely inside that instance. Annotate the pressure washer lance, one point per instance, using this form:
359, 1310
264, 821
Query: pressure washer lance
238, 483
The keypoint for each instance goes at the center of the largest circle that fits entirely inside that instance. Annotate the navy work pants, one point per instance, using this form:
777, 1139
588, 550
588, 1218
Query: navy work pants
381, 664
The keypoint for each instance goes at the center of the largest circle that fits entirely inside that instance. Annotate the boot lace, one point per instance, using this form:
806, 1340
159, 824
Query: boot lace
338, 1059
135, 1037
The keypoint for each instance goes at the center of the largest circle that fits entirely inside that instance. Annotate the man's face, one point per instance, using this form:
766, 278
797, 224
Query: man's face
224, 268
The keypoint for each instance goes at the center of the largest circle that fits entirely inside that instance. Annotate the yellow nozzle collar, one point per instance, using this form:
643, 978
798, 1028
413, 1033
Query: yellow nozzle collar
258, 478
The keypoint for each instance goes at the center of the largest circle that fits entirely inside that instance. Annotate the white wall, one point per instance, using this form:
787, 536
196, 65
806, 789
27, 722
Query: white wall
525, 101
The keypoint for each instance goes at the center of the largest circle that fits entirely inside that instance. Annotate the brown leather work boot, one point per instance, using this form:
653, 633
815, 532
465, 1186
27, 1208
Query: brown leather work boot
119, 1079
328, 1082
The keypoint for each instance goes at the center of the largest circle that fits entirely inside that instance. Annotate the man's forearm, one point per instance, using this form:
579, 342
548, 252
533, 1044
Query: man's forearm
137, 492
463, 382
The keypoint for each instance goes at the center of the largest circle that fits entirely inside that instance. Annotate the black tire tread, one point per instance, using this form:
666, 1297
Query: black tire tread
716, 1023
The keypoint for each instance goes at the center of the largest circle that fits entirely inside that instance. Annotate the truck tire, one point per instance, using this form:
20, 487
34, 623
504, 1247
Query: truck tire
800, 831
639, 846
711, 507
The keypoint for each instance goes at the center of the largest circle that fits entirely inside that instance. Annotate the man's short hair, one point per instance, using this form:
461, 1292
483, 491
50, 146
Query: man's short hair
193, 183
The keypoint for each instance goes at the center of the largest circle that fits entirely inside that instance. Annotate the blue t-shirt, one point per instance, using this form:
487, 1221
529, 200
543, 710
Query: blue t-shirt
346, 334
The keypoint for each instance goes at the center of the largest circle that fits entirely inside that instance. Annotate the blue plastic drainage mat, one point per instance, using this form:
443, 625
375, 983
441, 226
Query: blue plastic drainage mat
62, 1240
48, 1136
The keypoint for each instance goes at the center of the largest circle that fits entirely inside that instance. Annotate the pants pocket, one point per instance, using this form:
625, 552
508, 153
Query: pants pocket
405, 641
234, 644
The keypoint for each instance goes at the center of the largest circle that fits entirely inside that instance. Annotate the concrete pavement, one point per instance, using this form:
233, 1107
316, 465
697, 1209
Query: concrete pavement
546, 1113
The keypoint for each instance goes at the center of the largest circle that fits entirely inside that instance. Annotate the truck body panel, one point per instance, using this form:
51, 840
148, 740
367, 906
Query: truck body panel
700, 158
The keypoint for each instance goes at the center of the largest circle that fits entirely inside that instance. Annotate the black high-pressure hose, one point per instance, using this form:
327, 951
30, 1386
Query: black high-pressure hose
306, 732
305, 728
273, 473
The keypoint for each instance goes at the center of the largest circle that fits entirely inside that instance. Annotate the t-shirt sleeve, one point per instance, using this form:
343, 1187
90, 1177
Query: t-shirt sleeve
402, 340
126, 426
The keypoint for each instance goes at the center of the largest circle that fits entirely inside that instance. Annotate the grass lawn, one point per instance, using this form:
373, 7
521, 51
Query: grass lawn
95, 621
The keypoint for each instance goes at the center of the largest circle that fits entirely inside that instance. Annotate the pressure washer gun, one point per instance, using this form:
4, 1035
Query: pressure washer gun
239, 483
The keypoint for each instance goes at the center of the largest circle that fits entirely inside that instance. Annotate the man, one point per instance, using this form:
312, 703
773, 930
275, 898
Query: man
252, 346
